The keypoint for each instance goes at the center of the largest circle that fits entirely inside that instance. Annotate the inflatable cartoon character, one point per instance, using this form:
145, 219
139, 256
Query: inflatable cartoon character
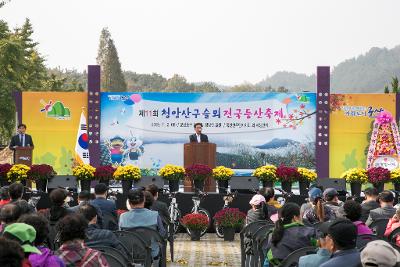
133, 150
116, 147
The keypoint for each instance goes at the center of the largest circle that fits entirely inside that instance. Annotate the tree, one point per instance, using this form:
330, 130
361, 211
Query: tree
207, 87
178, 83
395, 85
112, 78
386, 90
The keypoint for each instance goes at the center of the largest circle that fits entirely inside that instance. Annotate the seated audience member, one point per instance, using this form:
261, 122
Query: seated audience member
272, 204
25, 235
16, 191
148, 200
83, 198
386, 210
370, 202
46, 258
341, 236
315, 260
393, 224
256, 213
4, 196
58, 208
380, 253
316, 212
9, 214
352, 211
73, 251
95, 235
11, 253
139, 216
159, 206
332, 201
289, 234
106, 206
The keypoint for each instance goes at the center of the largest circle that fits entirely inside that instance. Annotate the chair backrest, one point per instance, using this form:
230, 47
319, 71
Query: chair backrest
113, 261
363, 240
139, 248
246, 233
293, 258
379, 227
114, 252
261, 232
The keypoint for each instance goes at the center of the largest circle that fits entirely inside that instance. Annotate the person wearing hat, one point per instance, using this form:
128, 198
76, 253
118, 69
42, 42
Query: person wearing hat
256, 213
107, 207
332, 201
316, 212
24, 235
341, 237
380, 253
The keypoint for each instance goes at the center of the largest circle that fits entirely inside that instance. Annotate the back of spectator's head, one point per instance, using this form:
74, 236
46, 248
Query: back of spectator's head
314, 194
330, 194
352, 210
24, 234
148, 199
58, 196
24, 206
135, 196
72, 227
268, 193
379, 253
16, 190
386, 196
10, 213
342, 232
4, 195
84, 195
371, 192
100, 189
88, 211
41, 225
287, 214
11, 253
153, 189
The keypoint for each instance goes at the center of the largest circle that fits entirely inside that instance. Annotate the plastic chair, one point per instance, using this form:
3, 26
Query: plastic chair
293, 258
246, 233
379, 227
114, 252
259, 237
150, 235
363, 240
113, 261
139, 249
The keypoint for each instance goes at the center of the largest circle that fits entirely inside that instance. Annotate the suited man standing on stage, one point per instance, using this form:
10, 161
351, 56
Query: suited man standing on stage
21, 139
198, 137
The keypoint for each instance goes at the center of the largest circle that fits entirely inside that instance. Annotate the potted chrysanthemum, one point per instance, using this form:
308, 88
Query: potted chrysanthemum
41, 174
230, 219
18, 173
198, 173
222, 175
306, 176
127, 174
356, 177
195, 223
378, 176
84, 173
4, 169
266, 174
287, 175
173, 174
104, 173
395, 178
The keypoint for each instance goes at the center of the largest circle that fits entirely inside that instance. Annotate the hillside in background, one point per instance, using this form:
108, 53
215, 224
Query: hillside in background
367, 73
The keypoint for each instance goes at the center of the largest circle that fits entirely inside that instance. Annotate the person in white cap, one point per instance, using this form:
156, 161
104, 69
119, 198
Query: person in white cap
256, 213
380, 253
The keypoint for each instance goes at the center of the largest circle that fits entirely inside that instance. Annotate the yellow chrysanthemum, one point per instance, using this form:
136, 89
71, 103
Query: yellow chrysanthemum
355, 175
222, 173
266, 173
84, 172
172, 172
128, 172
18, 172
307, 174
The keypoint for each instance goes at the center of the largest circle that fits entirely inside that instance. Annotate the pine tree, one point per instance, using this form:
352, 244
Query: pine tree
386, 90
112, 78
395, 85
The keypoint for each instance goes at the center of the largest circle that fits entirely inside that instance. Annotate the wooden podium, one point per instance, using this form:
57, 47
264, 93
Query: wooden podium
200, 153
23, 155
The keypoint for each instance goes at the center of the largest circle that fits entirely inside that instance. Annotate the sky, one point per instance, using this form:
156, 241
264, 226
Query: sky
224, 41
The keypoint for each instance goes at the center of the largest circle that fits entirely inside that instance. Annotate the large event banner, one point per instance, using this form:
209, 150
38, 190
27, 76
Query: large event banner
250, 129
351, 120
52, 118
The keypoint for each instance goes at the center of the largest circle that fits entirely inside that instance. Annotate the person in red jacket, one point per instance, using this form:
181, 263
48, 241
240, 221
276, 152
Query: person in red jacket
393, 224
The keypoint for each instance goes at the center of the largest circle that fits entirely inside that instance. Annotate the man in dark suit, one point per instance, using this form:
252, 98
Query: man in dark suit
386, 211
21, 139
370, 203
198, 137
159, 206
107, 207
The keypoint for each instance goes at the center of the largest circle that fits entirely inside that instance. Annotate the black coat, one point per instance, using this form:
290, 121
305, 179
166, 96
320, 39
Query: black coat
16, 142
102, 237
366, 207
162, 209
203, 138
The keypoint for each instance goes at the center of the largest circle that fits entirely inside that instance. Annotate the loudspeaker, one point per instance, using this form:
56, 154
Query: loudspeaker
146, 180
62, 181
244, 184
338, 184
